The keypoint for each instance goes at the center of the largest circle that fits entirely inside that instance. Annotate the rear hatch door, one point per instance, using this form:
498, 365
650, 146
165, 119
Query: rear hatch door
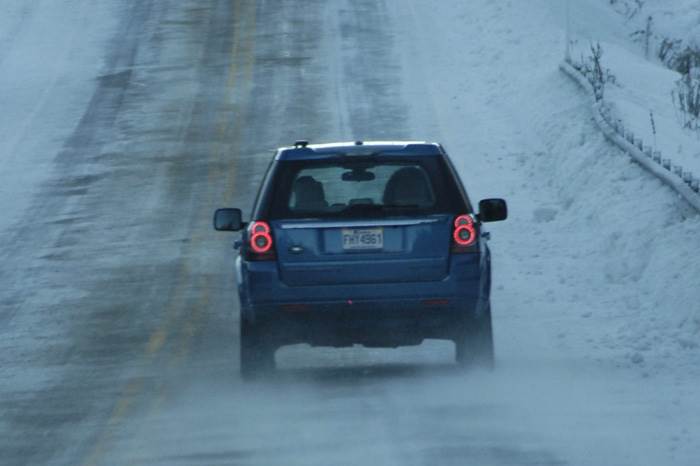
363, 251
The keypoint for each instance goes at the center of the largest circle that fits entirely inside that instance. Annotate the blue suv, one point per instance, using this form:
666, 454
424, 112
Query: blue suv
371, 243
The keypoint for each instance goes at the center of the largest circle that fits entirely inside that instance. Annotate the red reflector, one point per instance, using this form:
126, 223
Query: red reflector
294, 307
436, 302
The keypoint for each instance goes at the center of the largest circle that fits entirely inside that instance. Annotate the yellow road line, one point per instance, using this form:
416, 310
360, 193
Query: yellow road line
158, 338
242, 117
155, 342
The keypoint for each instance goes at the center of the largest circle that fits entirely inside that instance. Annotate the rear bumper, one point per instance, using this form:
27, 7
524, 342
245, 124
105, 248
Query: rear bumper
260, 284
378, 326
405, 312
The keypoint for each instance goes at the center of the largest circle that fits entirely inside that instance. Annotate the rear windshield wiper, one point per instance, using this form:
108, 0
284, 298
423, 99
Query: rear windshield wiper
399, 206
374, 209
361, 209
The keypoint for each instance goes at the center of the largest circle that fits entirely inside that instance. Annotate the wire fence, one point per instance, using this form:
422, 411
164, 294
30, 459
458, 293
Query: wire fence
683, 181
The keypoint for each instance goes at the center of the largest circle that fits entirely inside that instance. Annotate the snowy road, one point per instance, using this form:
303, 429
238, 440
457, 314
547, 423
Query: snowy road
119, 316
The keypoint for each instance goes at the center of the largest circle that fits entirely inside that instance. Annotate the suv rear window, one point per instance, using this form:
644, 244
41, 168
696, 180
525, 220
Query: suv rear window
360, 187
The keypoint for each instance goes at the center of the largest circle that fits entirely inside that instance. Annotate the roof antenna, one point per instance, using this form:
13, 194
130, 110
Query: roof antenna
300, 144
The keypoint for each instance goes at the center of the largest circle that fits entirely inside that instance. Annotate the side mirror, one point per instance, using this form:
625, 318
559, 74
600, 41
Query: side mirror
228, 220
493, 210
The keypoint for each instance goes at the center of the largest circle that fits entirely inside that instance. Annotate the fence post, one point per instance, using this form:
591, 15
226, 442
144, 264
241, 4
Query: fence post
567, 52
647, 36
695, 185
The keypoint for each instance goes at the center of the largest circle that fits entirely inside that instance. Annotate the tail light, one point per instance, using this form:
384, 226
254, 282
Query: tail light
260, 241
464, 234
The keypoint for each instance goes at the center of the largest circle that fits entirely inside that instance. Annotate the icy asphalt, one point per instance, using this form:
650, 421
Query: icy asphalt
119, 315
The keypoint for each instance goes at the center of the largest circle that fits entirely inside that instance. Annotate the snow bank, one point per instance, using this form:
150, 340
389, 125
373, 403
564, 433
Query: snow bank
638, 104
596, 268
599, 259
684, 182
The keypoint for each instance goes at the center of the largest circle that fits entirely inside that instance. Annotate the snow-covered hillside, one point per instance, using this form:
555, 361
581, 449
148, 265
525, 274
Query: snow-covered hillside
643, 93
665, 21
595, 221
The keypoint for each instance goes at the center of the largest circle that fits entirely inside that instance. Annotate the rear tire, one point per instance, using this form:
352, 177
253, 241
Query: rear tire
257, 356
474, 346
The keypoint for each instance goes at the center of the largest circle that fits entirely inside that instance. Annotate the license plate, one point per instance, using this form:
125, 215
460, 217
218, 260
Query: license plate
365, 238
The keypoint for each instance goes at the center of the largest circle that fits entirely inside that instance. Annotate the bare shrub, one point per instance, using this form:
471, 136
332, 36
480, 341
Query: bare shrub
591, 67
668, 49
629, 8
686, 60
686, 98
